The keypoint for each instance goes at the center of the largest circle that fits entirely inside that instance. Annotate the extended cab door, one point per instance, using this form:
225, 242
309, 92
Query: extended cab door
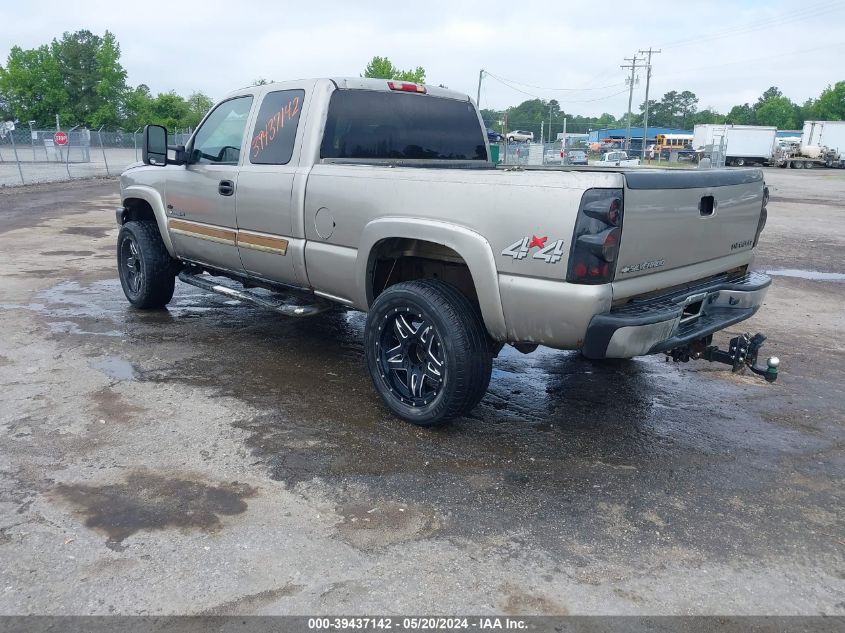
200, 196
268, 241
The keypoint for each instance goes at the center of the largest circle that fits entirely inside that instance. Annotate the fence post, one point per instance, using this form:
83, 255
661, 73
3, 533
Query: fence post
103, 149
67, 154
17, 160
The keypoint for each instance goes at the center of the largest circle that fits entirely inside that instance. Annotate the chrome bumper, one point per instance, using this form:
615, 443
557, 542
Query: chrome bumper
664, 323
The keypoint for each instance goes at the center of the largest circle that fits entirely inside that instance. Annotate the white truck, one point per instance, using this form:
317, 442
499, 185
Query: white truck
740, 144
617, 159
825, 141
822, 144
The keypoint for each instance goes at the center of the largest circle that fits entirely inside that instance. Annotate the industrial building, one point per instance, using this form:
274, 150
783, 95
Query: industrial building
618, 134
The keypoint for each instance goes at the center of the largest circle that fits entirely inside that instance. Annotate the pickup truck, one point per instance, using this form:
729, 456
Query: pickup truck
380, 196
617, 159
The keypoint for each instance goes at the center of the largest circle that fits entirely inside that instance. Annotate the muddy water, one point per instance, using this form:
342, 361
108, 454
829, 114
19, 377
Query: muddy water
562, 449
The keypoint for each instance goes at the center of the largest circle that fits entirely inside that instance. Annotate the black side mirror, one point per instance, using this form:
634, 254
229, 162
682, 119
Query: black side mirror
154, 149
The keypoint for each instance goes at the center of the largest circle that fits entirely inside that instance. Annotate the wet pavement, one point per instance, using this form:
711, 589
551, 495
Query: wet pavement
250, 453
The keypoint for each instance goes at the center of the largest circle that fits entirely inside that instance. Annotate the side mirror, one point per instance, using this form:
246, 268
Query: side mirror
154, 148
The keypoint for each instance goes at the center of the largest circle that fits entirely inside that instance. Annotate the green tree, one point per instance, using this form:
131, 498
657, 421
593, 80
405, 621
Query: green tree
31, 85
741, 115
830, 106
198, 104
777, 111
78, 77
111, 83
383, 68
92, 77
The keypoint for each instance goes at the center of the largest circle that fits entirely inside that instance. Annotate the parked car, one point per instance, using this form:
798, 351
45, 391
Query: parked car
609, 262
576, 157
552, 156
493, 136
617, 159
520, 136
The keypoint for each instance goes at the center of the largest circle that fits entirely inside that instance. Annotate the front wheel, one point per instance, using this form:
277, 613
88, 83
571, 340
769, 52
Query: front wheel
146, 270
427, 351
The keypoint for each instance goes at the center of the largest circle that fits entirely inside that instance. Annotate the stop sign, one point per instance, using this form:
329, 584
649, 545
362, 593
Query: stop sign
60, 138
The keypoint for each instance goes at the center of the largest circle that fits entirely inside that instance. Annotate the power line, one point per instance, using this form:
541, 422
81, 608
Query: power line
519, 83
758, 25
536, 96
633, 67
650, 51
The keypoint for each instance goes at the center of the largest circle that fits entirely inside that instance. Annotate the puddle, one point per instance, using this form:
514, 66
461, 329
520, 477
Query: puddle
147, 501
812, 275
116, 368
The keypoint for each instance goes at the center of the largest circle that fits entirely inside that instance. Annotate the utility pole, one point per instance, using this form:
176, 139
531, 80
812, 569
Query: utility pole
647, 82
478, 98
633, 67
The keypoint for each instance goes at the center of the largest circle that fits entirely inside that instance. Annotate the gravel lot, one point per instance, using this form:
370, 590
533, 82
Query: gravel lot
215, 458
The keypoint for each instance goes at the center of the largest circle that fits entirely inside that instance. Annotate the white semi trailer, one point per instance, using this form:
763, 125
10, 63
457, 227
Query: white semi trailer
740, 144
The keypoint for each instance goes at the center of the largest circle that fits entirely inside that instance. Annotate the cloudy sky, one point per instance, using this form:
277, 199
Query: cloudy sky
727, 52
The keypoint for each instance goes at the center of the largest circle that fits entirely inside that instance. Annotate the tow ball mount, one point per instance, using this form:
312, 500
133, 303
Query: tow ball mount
743, 352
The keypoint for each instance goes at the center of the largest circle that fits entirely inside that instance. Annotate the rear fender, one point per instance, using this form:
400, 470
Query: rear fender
471, 246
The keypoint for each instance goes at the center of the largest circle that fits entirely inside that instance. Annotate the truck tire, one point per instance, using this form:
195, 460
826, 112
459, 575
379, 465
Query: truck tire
797, 164
147, 272
808, 165
427, 351
739, 162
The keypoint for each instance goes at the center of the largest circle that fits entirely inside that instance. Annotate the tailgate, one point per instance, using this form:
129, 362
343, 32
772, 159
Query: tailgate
679, 218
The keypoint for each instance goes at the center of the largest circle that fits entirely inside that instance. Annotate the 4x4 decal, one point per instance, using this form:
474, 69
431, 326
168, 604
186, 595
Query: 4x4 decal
551, 254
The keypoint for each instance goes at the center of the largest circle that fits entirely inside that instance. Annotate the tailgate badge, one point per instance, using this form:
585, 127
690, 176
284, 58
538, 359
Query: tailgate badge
655, 263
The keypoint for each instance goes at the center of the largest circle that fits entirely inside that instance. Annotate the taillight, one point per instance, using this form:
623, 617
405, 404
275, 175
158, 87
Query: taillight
764, 214
406, 86
598, 231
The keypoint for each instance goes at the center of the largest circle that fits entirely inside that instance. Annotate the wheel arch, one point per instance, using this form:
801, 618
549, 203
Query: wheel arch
145, 203
469, 247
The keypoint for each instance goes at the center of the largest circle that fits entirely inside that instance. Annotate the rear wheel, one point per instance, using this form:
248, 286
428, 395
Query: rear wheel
739, 162
797, 164
427, 351
147, 272
808, 165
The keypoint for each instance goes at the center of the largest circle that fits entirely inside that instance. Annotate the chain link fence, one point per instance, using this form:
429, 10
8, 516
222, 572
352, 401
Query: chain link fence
29, 156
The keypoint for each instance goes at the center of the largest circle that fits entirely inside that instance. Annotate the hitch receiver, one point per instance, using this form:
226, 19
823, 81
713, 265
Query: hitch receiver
743, 351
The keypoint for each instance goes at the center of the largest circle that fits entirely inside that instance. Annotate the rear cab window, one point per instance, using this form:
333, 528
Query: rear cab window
370, 124
274, 134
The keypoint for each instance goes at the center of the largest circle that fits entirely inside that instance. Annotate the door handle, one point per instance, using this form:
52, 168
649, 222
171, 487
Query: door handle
226, 188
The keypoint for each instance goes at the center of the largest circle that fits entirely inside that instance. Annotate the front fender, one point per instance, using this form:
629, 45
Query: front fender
152, 197
471, 246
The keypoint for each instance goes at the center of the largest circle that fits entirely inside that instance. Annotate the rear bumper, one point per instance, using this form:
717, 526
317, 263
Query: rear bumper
663, 323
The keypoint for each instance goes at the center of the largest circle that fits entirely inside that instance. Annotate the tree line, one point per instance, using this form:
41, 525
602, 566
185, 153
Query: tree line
79, 77
676, 110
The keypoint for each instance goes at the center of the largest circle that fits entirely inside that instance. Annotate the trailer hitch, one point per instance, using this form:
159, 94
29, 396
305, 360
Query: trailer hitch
742, 352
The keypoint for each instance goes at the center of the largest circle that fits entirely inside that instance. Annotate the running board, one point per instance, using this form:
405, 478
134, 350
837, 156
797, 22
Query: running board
281, 305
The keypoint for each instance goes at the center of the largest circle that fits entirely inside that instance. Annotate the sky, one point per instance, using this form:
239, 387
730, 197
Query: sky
727, 52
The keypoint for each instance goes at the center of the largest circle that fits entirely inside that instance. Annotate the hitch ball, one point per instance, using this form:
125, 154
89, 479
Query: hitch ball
772, 369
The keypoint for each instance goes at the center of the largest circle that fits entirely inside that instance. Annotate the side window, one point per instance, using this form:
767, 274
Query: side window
219, 139
275, 128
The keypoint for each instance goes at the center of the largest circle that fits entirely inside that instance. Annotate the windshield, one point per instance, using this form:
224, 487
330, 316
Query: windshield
372, 124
